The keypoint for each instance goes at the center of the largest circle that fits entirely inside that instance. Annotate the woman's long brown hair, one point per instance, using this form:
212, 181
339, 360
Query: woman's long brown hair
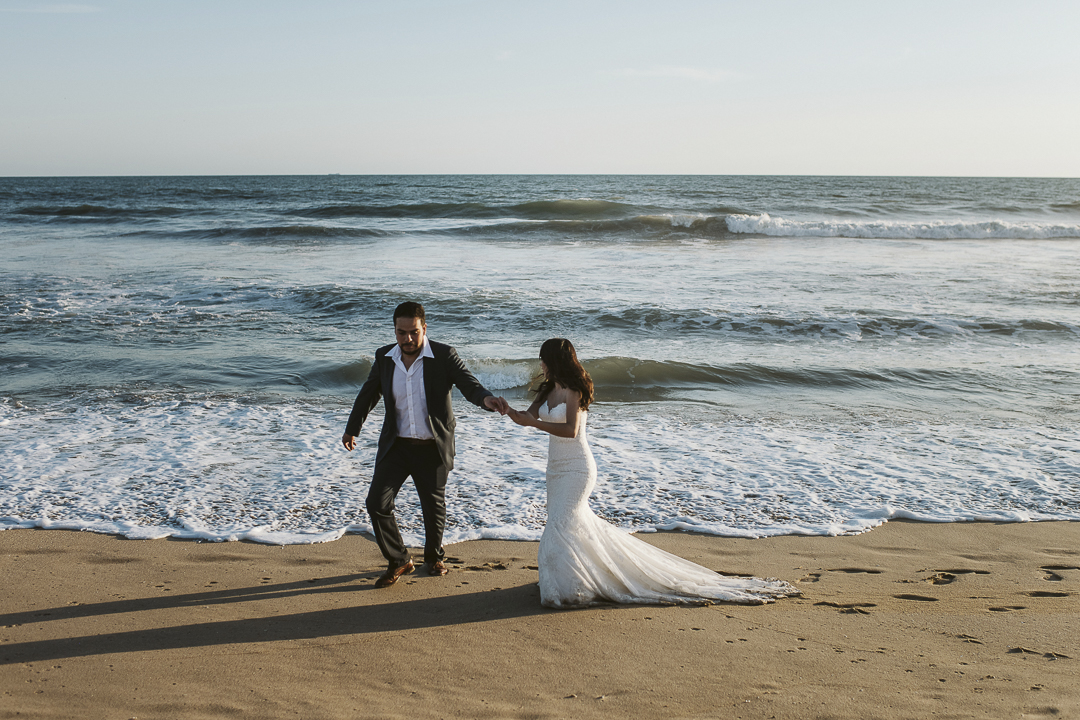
564, 368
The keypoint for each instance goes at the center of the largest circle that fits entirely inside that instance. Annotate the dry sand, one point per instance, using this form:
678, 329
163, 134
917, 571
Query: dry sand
910, 620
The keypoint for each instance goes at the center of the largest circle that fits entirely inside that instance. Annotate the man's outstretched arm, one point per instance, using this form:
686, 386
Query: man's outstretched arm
471, 388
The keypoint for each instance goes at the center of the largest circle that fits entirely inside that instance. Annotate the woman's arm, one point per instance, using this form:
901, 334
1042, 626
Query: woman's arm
568, 429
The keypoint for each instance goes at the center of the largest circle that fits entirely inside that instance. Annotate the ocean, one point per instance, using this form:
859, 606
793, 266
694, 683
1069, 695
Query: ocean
772, 355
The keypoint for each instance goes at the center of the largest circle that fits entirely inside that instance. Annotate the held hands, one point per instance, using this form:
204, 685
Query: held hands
497, 404
500, 405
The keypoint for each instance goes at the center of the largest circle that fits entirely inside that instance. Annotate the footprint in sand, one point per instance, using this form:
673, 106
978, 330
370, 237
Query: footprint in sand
941, 578
856, 570
920, 598
1053, 576
1047, 594
969, 639
1026, 651
1007, 608
849, 608
964, 571
486, 567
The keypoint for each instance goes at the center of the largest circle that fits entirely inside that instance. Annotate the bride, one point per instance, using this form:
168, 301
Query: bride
584, 560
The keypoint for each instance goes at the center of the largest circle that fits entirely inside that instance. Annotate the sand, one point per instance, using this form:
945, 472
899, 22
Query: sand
910, 620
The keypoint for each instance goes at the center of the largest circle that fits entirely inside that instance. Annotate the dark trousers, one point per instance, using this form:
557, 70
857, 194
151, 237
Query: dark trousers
429, 475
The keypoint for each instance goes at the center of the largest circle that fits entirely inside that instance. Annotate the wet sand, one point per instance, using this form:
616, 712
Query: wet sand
910, 620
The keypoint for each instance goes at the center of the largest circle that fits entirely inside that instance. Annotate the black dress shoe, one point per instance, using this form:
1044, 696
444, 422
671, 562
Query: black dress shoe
391, 576
436, 568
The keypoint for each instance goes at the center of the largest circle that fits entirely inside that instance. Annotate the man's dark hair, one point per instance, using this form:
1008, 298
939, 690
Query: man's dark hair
410, 309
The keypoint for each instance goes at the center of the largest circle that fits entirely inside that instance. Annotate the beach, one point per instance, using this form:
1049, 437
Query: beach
908, 620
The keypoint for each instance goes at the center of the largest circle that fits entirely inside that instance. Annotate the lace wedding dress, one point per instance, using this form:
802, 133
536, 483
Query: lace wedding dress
584, 560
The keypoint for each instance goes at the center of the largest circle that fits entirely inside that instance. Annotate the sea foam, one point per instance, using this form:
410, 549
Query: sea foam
765, 224
212, 469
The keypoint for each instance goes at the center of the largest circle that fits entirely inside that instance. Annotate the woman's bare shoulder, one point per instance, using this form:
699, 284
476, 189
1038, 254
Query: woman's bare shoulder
572, 398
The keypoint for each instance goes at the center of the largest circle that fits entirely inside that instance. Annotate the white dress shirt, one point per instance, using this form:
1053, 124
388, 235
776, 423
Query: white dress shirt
410, 400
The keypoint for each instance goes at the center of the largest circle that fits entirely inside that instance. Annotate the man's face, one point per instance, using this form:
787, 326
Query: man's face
410, 335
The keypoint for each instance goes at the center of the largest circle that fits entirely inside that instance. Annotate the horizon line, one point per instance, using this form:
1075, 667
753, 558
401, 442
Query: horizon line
540, 174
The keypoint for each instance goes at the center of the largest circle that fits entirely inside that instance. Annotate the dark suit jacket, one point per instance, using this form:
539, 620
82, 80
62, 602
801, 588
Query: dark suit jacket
441, 373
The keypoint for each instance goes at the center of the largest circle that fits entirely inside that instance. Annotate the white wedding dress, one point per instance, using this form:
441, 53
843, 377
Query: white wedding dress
584, 560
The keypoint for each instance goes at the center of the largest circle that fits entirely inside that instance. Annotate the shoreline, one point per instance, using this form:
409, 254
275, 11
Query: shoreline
909, 619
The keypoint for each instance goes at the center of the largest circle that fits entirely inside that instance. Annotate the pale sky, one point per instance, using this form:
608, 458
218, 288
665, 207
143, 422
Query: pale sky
155, 87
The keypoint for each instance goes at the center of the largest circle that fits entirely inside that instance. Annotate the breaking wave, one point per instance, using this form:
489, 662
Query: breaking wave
765, 224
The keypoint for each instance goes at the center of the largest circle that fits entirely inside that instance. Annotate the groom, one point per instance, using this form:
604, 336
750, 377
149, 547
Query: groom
414, 376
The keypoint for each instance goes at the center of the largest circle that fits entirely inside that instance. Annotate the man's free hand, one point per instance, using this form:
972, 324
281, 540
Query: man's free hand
349, 441
496, 404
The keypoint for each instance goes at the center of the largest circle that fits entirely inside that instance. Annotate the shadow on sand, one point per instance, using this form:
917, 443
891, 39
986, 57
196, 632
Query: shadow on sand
358, 619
